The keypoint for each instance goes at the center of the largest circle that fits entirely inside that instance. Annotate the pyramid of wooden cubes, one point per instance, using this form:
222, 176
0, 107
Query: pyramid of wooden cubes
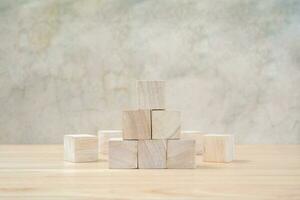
151, 134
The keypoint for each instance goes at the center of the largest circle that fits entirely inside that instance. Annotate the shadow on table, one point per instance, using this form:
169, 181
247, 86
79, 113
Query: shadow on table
216, 165
241, 161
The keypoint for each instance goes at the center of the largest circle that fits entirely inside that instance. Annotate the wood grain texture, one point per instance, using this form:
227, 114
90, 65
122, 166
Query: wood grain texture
34, 172
136, 124
103, 139
181, 154
80, 148
123, 153
152, 154
218, 148
165, 124
197, 136
151, 94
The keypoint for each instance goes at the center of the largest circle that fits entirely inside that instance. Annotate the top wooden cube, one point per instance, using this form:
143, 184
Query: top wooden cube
151, 94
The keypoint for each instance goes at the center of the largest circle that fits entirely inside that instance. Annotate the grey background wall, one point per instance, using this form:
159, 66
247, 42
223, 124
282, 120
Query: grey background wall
70, 66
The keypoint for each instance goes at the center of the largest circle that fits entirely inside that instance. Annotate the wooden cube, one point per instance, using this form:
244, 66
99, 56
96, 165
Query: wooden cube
218, 148
197, 136
123, 154
103, 139
137, 124
80, 148
181, 154
151, 94
152, 154
165, 124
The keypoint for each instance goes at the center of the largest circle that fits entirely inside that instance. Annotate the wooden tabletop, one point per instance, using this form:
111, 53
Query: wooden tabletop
259, 172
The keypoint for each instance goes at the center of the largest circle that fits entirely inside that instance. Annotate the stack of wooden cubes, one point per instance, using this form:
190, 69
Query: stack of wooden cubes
151, 134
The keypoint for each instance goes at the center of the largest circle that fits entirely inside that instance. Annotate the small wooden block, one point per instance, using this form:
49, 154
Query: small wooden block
136, 124
152, 154
181, 154
123, 154
103, 139
196, 135
151, 94
80, 148
165, 124
218, 148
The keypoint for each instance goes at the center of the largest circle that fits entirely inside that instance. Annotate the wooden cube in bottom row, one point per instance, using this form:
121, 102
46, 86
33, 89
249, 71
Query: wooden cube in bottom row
122, 154
151, 154
181, 154
80, 148
218, 148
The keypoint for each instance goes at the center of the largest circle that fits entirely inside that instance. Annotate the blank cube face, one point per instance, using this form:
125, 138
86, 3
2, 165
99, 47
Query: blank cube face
218, 148
152, 154
151, 94
181, 154
123, 154
103, 139
197, 136
137, 124
80, 148
165, 124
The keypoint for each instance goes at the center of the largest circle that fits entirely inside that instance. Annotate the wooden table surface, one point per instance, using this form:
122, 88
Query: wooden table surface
259, 172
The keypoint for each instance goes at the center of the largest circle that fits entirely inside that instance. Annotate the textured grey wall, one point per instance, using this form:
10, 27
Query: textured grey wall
70, 66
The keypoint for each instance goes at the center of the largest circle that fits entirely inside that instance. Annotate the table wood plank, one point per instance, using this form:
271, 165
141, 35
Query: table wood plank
259, 172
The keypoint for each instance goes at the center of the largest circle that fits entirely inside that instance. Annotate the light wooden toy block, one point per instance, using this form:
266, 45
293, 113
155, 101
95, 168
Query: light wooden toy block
196, 135
151, 94
165, 124
137, 124
218, 148
181, 154
103, 139
152, 154
80, 148
123, 154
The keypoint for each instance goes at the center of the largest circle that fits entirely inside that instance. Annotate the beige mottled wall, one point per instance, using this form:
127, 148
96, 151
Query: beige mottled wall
69, 66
